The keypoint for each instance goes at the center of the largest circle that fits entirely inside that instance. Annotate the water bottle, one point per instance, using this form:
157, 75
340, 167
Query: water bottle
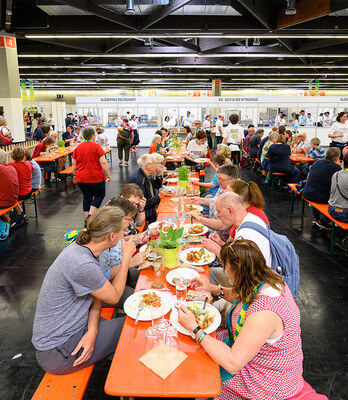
181, 211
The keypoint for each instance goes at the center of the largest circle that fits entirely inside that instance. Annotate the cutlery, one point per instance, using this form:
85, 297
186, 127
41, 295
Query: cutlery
141, 306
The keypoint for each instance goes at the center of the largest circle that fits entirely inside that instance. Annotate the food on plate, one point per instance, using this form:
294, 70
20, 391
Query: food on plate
151, 299
157, 285
196, 229
179, 280
195, 256
190, 208
164, 226
204, 319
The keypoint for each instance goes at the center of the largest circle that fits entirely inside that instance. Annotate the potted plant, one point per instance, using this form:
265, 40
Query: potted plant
170, 246
183, 173
61, 145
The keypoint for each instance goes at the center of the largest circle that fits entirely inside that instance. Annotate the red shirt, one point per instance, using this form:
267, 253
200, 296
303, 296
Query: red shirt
253, 210
88, 168
9, 186
40, 148
24, 171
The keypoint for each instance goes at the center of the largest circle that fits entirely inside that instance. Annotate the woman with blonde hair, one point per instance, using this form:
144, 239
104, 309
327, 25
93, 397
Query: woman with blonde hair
224, 150
260, 354
68, 333
252, 199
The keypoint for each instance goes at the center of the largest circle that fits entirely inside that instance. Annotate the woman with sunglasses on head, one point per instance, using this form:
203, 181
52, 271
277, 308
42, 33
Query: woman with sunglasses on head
260, 354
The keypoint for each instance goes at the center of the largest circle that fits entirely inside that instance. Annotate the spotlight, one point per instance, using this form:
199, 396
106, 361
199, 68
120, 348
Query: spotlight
256, 42
130, 7
291, 7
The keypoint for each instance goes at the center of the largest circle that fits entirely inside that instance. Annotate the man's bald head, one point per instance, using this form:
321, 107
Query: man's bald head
230, 199
345, 150
230, 209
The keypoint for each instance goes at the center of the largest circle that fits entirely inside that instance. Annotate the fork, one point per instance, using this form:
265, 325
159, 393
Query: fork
141, 306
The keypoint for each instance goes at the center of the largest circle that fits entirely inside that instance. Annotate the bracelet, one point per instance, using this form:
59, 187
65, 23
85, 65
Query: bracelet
203, 335
221, 295
141, 211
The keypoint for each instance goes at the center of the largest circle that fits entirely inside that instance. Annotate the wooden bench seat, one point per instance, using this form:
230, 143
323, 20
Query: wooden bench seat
65, 173
70, 386
8, 209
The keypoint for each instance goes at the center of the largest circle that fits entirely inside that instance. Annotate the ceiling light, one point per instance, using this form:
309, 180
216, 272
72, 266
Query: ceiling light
291, 7
130, 7
256, 42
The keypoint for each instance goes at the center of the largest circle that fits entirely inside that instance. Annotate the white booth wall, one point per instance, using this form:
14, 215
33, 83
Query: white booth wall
257, 110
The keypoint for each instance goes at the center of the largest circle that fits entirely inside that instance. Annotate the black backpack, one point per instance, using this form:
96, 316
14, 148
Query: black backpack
126, 132
39, 134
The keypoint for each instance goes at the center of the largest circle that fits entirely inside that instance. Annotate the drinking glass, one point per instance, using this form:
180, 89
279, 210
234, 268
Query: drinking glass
172, 341
156, 314
151, 340
162, 326
181, 292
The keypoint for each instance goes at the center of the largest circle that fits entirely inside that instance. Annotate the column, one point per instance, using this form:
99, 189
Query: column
10, 94
216, 87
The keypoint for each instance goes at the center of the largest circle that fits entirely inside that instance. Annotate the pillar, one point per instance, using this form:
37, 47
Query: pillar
216, 87
10, 94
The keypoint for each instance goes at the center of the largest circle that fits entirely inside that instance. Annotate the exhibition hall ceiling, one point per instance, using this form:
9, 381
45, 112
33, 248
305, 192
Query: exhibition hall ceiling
180, 44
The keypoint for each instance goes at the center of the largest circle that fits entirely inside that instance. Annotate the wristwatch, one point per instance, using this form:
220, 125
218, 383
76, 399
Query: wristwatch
221, 295
197, 328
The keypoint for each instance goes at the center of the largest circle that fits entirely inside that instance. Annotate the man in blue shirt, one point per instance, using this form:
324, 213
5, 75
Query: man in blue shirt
303, 118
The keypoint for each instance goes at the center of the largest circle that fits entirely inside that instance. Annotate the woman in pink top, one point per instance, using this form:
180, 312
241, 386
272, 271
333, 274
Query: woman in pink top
260, 355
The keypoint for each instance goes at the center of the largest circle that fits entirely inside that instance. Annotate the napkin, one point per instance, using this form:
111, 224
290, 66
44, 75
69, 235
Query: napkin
195, 267
163, 359
150, 265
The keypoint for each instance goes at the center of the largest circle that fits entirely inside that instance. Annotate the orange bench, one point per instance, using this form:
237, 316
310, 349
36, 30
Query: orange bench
65, 173
69, 386
324, 209
33, 198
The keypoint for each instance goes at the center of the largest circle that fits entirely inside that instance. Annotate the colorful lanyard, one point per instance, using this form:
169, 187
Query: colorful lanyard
345, 169
230, 337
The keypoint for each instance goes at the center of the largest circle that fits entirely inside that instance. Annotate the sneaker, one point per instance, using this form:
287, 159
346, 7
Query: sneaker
323, 225
120, 163
135, 149
53, 180
315, 221
126, 164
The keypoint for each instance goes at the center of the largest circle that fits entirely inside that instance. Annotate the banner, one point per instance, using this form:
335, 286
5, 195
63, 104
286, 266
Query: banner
24, 90
316, 92
31, 91
310, 87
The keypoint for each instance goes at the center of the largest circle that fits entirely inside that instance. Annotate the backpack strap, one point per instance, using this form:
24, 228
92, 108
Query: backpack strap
256, 227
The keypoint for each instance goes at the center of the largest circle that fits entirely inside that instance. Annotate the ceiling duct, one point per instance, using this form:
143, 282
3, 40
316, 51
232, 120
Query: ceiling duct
290, 7
130, 7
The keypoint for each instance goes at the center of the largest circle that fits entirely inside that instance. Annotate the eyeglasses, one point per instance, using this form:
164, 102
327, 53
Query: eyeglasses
222, 179
230, 246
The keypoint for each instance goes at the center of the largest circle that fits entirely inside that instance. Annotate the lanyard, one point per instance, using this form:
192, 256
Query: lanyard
231, 338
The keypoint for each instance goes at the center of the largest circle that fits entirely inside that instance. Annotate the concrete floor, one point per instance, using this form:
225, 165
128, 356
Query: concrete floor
30, 250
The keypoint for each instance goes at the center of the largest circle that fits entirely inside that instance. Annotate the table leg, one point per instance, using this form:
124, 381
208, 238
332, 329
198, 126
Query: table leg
333, 234
56, 172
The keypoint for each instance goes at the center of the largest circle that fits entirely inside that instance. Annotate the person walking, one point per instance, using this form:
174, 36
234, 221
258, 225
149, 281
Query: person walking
124, 140
133, 123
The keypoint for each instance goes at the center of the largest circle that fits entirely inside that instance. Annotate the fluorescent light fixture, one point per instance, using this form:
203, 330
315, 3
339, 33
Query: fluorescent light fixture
184, 55
120, 79
191, 66
192, 35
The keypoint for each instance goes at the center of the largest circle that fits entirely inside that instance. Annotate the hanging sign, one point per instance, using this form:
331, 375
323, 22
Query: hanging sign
310, 87
31, 91
316, 92
24, 90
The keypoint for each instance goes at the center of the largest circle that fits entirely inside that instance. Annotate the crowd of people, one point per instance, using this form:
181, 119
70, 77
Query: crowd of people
260, 352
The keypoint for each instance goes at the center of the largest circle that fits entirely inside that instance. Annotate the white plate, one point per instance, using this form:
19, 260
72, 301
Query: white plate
188, 226
197, 207
170, 158
184, 273
143, 248
156, 224
194, 179
132, 303
214, 311
172, 180
202, 160
183, 256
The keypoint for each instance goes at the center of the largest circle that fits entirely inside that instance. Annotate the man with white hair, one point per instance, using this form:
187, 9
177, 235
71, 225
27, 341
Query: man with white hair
231, 210
304, 143
142, 177
9, 186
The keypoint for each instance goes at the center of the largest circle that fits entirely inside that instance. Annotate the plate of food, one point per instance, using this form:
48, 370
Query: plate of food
194, 208
197, 256
148, 297
195, 229
176, 275
163, 225
209, 320
170, 158
202, 160
172, 180
194, 180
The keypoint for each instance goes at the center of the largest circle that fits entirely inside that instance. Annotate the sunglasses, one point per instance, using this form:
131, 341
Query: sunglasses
230, 246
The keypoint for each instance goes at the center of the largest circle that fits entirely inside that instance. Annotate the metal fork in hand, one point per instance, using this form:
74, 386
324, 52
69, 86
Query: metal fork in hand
141, 306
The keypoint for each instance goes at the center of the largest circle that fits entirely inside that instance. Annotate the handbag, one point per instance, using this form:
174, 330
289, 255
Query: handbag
4, 230
5, 140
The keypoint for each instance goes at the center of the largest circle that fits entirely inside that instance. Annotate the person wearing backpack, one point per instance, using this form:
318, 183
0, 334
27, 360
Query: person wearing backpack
277, 250
124, 140
5, 133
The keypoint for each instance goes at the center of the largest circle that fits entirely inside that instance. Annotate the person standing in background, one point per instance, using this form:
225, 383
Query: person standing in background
302, 118
295, 127
278, 119
124, 140
50, 120
310, 121
339, 132
188, 120
166, 122
207, 129
327, 120
233, 136
219, 127
69, 120
133, 123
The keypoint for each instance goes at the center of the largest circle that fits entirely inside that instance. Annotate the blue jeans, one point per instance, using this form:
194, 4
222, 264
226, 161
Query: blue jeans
340, 216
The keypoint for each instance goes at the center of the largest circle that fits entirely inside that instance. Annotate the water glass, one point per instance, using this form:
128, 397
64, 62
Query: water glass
181, 292
162, 326
156, 314
172, 341
151, 339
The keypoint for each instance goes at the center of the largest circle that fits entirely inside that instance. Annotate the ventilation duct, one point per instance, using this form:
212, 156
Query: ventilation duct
130, 7
291, 7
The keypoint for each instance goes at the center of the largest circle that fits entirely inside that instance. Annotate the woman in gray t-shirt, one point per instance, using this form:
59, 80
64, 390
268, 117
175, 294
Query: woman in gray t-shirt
68, 333
338, 202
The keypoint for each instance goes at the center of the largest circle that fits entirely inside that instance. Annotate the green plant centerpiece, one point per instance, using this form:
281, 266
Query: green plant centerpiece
170, 246
183, 173
61, 145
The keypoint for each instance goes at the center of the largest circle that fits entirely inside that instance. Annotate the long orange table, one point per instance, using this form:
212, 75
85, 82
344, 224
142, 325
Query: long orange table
300, 157
197, 376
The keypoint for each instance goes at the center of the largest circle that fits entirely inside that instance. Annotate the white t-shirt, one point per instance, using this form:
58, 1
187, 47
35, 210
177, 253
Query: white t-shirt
256, 237
339, 129
309, 122
233, 134
278, 120
133, 124
283, 122
327, 121
166, 124
306, 144
102, 139
220, 124
195, 149
206, 124
187, 121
